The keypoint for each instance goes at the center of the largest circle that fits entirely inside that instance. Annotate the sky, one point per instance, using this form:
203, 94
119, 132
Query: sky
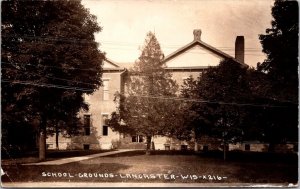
125, 24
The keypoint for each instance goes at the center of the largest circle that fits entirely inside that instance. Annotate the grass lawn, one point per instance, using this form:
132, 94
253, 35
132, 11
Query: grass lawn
32, 157
174, 168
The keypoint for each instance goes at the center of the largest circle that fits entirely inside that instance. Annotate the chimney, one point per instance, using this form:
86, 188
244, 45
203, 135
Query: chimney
240, 49
197, 34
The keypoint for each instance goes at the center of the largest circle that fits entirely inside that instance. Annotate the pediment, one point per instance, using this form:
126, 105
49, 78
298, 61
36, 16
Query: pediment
196, 56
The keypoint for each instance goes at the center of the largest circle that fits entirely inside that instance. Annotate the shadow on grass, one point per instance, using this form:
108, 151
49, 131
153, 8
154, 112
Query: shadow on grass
49, 153
32, 156
236, 156
172, 152
266, 173
72, 153
128, 154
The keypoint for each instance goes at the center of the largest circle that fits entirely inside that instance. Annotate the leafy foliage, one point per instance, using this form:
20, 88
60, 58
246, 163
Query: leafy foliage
280, 43
50, 59
278, 81
146, 107
219, 91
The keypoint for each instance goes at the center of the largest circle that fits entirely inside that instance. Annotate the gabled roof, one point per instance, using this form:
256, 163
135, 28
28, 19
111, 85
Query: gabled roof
116, 67
203, 45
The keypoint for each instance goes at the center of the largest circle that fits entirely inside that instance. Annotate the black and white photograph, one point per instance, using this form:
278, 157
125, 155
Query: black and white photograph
149, 93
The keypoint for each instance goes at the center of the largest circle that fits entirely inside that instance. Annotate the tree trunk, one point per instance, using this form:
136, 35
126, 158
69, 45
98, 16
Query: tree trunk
195, 141
42, 144
148, 145
42, 139
224, 151
196, 146
152, 143
56, 138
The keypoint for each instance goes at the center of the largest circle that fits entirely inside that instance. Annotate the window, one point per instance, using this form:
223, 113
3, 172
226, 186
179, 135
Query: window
86, 146
104, 125
183, 147
247, 147
134, 139
106, 89
137, 138
86, 120
87, 124
105, 130
87, 131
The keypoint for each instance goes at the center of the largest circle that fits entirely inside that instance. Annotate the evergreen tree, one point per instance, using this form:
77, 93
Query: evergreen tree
146, 108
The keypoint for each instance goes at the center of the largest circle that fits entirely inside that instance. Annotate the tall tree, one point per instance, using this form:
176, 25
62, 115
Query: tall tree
49, 60
146, 108
280, 43
219, 91
276, 121
279, 73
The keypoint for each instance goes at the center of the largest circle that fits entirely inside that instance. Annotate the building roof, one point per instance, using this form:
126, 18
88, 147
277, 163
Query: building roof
196, 42
199, 42
115, 66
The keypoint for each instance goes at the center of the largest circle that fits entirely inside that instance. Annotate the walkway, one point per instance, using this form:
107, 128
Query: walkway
74, 159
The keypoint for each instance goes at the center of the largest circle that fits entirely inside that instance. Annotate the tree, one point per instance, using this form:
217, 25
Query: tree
280, 43
67, 124
278, 83
146, 108
219, 91
49, 61
276, 120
